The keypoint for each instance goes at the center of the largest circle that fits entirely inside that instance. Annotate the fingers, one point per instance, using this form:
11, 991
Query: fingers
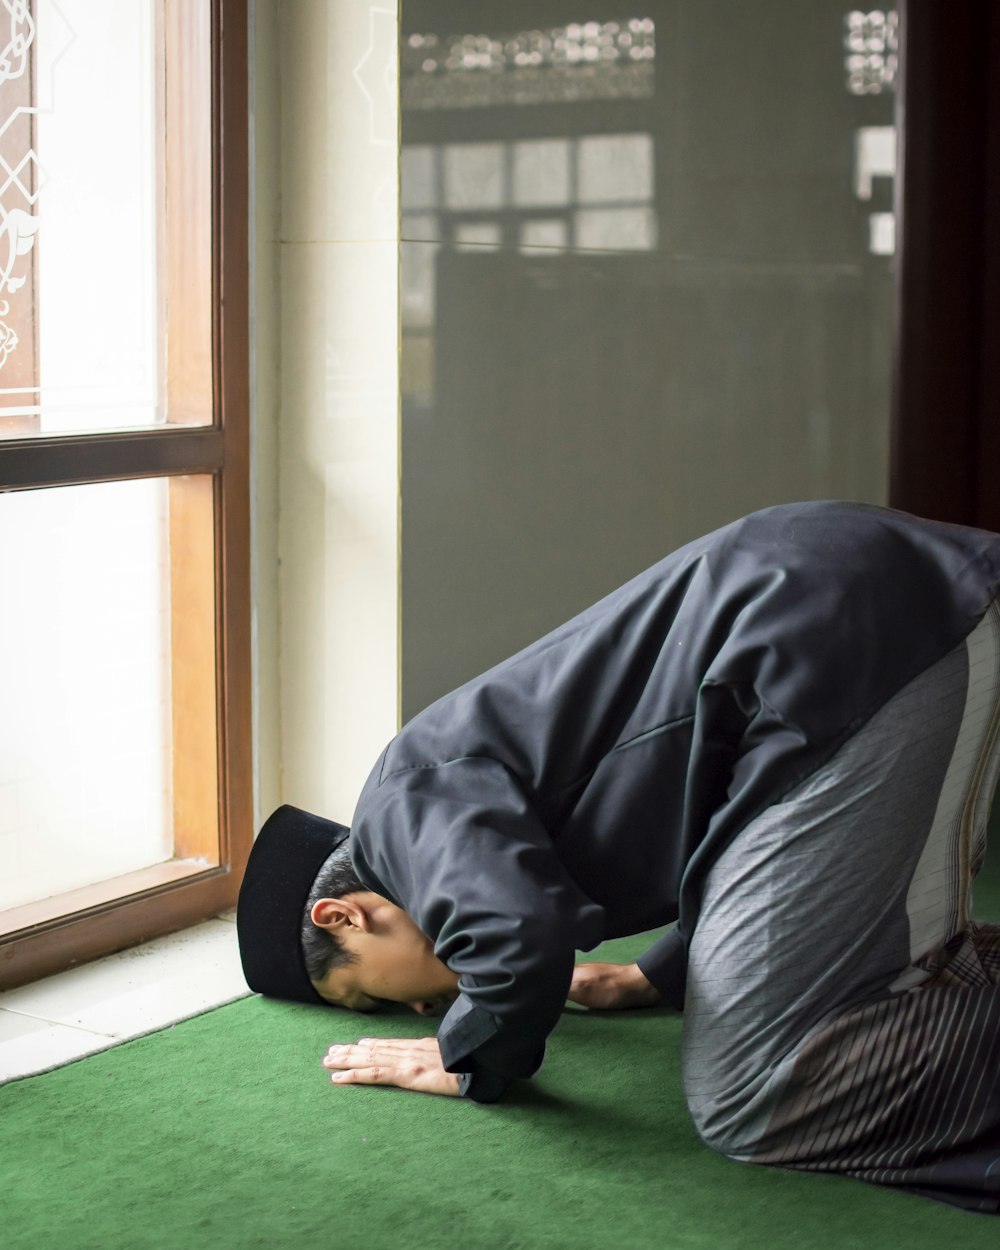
400, 1043
388, 1048
370, 1062
409, 1063
365, 1076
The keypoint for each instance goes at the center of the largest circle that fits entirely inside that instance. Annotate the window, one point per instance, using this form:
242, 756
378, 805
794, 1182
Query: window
124, 534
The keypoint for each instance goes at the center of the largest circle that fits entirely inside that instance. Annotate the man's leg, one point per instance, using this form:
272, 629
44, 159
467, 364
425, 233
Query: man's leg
842, 1011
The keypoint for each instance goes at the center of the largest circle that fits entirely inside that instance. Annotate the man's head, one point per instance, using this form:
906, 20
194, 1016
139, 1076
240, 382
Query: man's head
361, 950
310, 931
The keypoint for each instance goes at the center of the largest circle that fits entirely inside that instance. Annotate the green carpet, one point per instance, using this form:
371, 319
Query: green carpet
225, 1132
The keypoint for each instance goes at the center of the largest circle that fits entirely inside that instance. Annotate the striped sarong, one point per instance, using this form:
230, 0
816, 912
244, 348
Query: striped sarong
843, 1008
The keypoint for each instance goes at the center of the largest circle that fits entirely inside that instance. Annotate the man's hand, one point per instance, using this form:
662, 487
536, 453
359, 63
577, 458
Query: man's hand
409, 1063
610, 987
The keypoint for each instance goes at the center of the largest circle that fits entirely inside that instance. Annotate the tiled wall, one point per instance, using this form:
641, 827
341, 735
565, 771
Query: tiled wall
326, 396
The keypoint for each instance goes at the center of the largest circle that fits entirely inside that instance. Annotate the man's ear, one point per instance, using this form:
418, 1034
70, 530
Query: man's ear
340, 913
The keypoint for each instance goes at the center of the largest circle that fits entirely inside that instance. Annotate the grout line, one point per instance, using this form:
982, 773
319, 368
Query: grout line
24, 1074
62, 1024
143, 1022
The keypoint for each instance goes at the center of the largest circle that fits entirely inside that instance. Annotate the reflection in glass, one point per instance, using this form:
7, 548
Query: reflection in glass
611, 228
615, 168
418, 173
541, 172
871, 41
591, 60
544, 232
473, 175
492, 192
646, 288
477, 234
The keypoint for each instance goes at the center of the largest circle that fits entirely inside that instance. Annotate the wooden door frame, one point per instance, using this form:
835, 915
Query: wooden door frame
99, 924
945, 457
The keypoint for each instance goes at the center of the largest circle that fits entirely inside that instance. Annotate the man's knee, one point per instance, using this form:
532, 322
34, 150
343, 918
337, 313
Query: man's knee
726, 1121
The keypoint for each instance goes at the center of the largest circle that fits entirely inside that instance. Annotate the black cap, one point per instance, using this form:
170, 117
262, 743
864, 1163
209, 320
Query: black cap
286, 856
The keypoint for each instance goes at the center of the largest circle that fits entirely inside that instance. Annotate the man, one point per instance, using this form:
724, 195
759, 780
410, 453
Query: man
784, 736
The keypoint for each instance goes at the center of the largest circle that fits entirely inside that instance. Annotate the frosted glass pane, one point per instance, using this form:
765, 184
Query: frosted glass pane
83, 285
85, 690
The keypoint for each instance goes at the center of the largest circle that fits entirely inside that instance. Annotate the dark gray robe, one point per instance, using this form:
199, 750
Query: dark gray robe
581, 789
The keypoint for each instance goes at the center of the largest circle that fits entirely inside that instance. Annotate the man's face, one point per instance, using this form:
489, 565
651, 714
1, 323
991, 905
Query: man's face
393, 960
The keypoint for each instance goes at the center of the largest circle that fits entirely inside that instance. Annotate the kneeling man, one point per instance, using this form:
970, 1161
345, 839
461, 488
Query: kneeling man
786, 738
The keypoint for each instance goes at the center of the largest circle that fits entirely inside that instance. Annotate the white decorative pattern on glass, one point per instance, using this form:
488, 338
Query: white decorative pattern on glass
17, 226
81, 217
21, 33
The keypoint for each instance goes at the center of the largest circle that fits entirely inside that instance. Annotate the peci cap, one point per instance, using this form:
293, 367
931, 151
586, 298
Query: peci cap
284, 861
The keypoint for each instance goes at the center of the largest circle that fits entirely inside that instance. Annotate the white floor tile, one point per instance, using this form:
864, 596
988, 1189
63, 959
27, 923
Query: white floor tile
28, 1045
149, 987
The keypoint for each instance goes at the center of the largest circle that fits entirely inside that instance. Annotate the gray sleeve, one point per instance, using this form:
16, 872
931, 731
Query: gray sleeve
460, 848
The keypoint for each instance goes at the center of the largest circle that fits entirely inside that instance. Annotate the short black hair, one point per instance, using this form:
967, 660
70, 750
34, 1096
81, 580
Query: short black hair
335, 879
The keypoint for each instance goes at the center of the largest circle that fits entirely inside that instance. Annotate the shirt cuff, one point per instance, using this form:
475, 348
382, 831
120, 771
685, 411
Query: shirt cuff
464, 1028
664, 966
482, 1086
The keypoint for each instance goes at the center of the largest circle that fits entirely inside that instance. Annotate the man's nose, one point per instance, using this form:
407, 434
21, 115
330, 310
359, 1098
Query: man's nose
424, 1007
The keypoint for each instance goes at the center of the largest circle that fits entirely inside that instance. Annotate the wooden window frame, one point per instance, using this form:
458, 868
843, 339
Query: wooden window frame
44, 938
